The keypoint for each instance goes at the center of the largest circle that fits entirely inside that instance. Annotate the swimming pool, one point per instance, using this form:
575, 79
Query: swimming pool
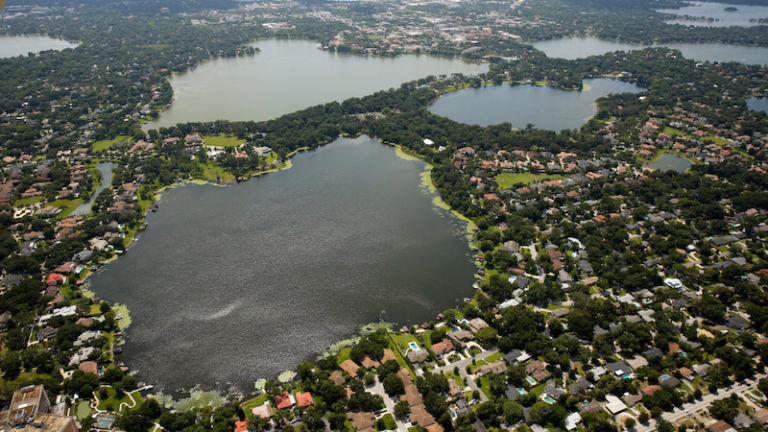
414, 346
530, 380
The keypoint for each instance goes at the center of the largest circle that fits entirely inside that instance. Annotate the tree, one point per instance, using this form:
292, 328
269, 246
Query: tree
643, 417
665, 426
629, 423
393, 385
725, 409
402, 410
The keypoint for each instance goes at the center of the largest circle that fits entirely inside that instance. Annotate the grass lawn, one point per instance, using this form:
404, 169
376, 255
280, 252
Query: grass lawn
485, 386
100, 146
343, 355
459, 380
716, 140
83, 410
67, 206
538, 390
389, 422
508, 180
113, 401
95, 310
494, 357
674, 132
212, 172
253, 403
222, 140
402, 341
399, 357
28, 201
473, 367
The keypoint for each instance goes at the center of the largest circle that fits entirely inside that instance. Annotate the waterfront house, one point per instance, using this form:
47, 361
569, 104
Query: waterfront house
284, 400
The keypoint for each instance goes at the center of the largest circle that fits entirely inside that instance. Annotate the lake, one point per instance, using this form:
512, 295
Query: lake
12, 46
758, 104
670, 162
289, 75
105, 168
718, 15
575, 48
545, 107
230, 284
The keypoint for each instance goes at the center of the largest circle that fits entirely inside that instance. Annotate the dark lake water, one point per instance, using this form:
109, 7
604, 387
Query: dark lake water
545, 107
670, 162
574, 48
758, 104
720, 17
12, 46
231, 284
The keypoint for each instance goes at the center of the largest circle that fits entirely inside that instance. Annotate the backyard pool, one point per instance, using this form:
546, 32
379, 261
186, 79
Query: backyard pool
414, 346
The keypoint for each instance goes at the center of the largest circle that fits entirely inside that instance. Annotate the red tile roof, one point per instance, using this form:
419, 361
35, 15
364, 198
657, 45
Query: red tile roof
241, 426
283, 401
304, 399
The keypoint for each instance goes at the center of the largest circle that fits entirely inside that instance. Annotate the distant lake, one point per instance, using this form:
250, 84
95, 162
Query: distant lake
758, 104
575, 48
12, 46
231, 284
716, 11
287, 76
670, 162
545, 107
105, 168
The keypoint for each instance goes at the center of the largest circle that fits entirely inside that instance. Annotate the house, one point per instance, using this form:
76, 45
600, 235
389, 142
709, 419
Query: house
284, 400
361, 421
46, 333
552, 390
350, 367
651, 389
241, 426
420, 416
412, 395
579, 387
497, 367
55, 279
89, 367
476, 324
460, 336
304, 399
368, 363
337, 378
614, 405
742, 421
720, 426
668, 381
538, 369
686, 373
417, 356
263, 411
443, 347
619, 368
632, 399
761, 416
516, 356
572, 421
637, 362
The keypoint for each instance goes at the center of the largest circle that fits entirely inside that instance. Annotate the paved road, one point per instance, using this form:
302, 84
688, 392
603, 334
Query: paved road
462, 365
689, 409
378, 388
